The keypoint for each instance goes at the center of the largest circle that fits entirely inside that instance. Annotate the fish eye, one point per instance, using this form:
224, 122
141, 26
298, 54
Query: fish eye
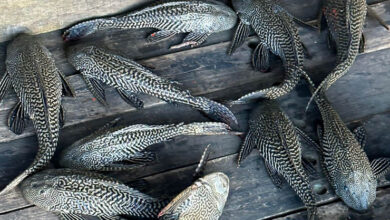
34, 185
41, 192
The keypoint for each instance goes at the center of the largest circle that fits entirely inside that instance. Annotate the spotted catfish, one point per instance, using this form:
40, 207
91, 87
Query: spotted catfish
278, 34
124, 148
31, 71
203, 200
130, 78
346, 164
75, 194
198, 18
274, 135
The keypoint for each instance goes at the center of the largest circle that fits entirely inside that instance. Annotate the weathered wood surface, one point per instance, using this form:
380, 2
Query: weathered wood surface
337, 210
203, 71
360, 95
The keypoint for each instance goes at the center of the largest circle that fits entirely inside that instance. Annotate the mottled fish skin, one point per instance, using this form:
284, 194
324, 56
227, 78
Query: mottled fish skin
107, 150
203, 200
345, 19
127, 75
274, 135
199, 18
279, 35
344, 160
86, 193
36, 80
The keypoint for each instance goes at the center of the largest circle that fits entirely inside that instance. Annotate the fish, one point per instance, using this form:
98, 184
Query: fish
121, 148
346, 165
39, 85
198, 18
73, 194
130, 79
204, 200
278, 141
278, 35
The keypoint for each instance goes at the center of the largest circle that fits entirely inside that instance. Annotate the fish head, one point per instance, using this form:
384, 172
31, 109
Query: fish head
358, 190
80, 30
241, 5
38, 189
76, 157
219, 185
81, 57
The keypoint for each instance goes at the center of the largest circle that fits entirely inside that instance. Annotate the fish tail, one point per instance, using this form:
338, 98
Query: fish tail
217, 111
206, 128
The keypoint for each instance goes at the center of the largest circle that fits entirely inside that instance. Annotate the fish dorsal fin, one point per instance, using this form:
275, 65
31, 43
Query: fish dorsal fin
251, 141
96, 87
241, 34
380, 167
276, 178
143, 127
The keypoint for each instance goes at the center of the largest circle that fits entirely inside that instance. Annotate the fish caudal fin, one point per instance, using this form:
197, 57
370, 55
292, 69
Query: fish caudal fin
206, 128
217, 112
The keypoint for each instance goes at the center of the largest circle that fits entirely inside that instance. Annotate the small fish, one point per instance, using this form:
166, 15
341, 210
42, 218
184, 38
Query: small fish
124, 148
198, 18
74, 193
31, 71
278, 34
346, 164
274, 135
203, 200
130, 79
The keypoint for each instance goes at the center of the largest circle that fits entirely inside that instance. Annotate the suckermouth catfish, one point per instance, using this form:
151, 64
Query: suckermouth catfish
203, 200
130, 79
31, 71
124, 148
274, 135
198, 18
344, 161
278, 34
72, 194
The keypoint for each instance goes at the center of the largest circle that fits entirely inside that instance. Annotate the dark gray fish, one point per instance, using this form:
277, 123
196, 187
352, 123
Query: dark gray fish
130, 79
346, 164
278, 34
71, 194
198, 18
345, 20
31, 71
124, 148
276, 138
203, 200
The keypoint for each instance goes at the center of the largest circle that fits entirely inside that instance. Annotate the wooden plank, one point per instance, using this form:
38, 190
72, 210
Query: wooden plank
337, 210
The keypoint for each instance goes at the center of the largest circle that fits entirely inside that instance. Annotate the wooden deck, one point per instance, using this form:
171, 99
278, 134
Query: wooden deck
362, 96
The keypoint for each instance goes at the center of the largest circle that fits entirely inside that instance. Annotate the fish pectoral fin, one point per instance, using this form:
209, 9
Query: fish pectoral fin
380, 166
193, 39
67, 89
96, 87
70, 216
5, 84
241, 34
260, 58
360, 135
170, 216
373, 14
160, 35
131, 98
306, 51
249, 144
307, 139
142, 158
362, 44
117, 217
331, 42
139, 184
202, 163
134, 161
276, 178
16, 119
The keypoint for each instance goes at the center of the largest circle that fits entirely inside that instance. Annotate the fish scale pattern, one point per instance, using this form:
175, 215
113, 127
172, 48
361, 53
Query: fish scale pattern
79, 192
273, 134
37, 83
345, 19
125, 74
344, 160
276, 30
101, 151
176, 16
